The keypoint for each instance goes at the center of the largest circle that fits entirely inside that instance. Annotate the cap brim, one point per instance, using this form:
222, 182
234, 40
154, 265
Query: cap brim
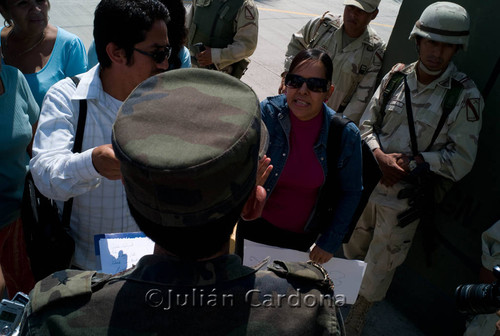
363, 6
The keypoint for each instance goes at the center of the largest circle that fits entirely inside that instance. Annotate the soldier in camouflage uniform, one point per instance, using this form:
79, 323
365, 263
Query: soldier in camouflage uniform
228, 30
355, 49
446, 136
188, 176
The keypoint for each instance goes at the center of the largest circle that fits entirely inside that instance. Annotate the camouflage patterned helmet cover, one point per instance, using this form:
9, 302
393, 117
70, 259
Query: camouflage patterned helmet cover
445, 22
188, 142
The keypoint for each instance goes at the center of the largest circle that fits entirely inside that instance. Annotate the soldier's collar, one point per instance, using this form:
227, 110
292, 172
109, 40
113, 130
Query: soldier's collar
444, 80
171, 270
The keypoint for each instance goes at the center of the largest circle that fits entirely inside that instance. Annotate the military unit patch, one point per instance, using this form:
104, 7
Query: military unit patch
249, 13
473, 107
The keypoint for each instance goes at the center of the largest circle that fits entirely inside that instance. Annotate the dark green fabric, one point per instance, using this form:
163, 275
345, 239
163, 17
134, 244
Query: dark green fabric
215, 297
214, 22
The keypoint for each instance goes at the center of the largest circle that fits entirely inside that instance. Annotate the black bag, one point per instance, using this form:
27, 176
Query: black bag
330, 192
48, 242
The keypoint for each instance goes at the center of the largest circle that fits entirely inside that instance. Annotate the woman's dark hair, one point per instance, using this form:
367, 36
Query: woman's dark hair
190, 243
124, 23
313, 54
177, 32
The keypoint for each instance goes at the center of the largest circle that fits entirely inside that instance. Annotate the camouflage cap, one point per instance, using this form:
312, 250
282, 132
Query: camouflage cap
368, 6
188, 141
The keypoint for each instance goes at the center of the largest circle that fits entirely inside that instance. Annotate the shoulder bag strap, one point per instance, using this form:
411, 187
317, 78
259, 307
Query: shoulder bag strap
77, 148
316, 31
334, 144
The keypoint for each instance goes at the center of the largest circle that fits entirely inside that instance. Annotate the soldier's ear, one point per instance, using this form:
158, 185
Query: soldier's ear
374, 14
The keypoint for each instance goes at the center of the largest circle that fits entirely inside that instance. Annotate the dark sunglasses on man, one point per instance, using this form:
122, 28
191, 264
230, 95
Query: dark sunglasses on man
158, 55
313, 84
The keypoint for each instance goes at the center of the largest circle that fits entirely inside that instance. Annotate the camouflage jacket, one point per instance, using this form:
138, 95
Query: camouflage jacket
164, 295
355, 67
244, 41
453, 153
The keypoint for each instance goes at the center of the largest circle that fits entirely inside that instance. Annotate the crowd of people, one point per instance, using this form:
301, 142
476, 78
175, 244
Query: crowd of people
186, 155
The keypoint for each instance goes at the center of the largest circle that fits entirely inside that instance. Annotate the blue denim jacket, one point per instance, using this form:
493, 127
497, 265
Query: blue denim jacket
275, 114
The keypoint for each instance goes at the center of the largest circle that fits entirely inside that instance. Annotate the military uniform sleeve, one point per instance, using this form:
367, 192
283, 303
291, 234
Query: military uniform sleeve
245, 39
190, 14
490, 241
364, 91
456, 158
299, 40
371, 116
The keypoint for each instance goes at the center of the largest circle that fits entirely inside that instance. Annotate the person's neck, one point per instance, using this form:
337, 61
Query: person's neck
158, 250
354, 34
425, 76
113, 84
22, 36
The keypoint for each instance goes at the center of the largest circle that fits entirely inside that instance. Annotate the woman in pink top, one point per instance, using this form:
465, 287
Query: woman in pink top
298, 123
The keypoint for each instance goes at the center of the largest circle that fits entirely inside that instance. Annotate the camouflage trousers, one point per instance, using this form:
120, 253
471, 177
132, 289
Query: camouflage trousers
382, 244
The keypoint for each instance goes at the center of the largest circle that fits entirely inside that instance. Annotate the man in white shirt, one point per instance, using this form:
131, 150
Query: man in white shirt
132, 45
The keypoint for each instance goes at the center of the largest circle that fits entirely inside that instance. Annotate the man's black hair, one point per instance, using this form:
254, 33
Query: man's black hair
125, 23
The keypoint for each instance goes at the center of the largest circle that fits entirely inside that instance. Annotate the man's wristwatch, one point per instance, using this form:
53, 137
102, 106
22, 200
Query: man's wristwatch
412, 164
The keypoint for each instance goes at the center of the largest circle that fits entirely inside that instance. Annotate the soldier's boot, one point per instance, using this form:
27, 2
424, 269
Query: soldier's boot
355, 320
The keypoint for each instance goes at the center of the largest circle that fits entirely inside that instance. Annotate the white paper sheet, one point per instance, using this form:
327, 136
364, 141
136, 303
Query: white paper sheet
119, 251
345, 274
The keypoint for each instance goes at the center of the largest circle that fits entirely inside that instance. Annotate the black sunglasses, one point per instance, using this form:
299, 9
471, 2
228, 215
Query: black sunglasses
313, 84
158, 55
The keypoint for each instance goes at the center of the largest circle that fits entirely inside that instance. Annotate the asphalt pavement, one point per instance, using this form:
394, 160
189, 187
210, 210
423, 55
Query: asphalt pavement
278, 20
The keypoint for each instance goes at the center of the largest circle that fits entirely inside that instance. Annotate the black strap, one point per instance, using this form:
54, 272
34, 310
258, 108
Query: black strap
491, 81
328, 196
449, 102
411, 122
77, 148
392, 84
333, 146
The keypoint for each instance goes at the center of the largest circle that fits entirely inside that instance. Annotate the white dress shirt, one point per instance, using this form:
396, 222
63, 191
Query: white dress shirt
99, 205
